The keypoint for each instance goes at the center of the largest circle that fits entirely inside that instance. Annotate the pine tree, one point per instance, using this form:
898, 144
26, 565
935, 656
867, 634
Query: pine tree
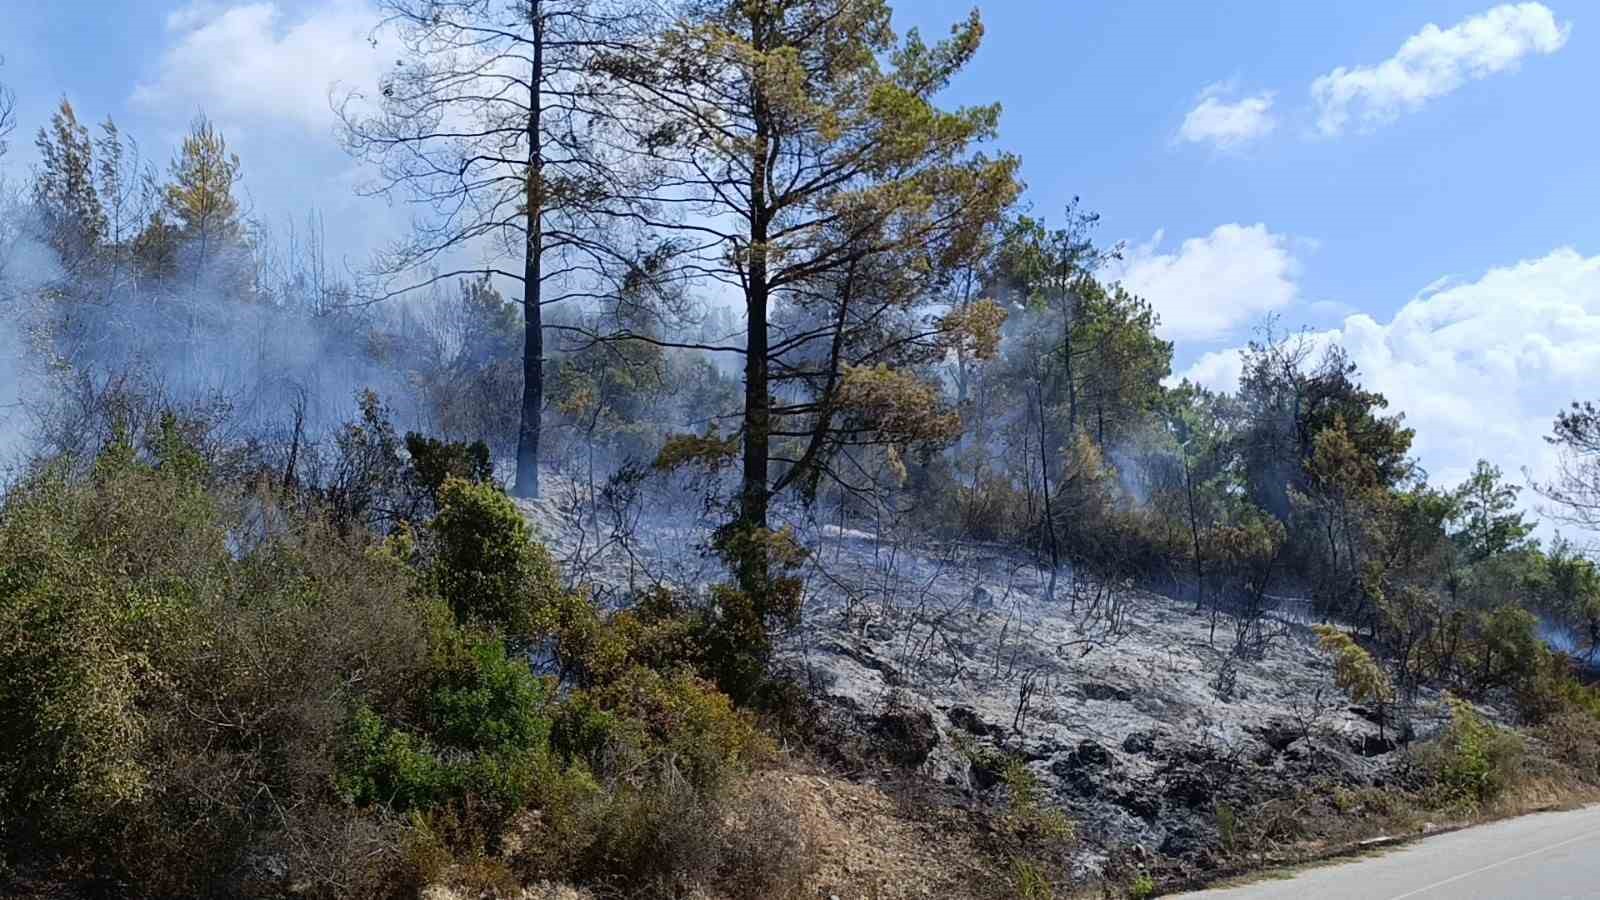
200, 203
1490, 521
820, 182
64, 192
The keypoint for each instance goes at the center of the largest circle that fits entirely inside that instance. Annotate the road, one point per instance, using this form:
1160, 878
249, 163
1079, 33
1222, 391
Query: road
1548, 856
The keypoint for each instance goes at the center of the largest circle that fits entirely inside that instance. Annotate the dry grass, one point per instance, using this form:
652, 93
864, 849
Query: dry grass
869, 844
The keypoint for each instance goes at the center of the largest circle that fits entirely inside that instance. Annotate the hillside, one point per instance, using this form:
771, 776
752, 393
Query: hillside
1181, 741
707, 463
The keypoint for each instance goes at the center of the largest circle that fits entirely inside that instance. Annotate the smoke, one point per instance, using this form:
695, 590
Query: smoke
1569, 641
26, 266
218, 337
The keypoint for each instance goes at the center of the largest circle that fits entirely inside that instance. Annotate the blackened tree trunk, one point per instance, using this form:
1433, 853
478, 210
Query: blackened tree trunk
527, 483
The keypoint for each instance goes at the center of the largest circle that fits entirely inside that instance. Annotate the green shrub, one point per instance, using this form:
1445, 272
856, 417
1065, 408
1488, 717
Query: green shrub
1029, 815
196, 679
487, 567
1507, 649
100, 585
433, 462
646, 720
1355, 671
1549, 689
1473, 761
383, 764
484, 728
1227, 827
179, 659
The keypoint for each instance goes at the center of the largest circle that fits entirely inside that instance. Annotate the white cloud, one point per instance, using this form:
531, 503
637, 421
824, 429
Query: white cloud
248, 63
1481, 368
1433, 62
1222, 124
1212, 284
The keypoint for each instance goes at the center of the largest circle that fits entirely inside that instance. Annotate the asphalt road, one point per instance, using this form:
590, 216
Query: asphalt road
1549, 856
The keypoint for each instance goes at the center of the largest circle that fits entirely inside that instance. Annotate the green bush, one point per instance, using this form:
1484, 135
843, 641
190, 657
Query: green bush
1030, 881
1028, 814
197, 678
1473, 761
179, 659
647, 720
1550, 690
484, 723
433, 462
487, 566
100, 587
1507, 648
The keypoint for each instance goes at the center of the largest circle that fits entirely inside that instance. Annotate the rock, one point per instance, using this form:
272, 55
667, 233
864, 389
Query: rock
907, 735
1092, 754
865, 657
1371, 744
1187, 842
1189, 787
1141, 742
1043, 750
1140, 801
1096, 691
1369, 714
1088, 769
1276, 733
968, 720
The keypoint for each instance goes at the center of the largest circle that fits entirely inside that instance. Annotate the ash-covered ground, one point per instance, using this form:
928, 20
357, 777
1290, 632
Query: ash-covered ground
1141, 715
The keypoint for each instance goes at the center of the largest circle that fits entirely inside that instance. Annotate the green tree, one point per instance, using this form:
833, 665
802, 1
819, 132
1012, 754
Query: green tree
1288, 400
1052, 271
1570, 597
64, 192
199, 197
1575, 486
1345, 510
1490, 523
1127, 362
828, 187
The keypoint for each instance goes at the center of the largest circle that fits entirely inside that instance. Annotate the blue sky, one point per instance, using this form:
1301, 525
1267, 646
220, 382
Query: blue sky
1501, 169
1417, 180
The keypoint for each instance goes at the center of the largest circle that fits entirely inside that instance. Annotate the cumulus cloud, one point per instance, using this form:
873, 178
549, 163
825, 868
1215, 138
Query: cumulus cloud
253, 62
1224, 124
1479, 368
1211, 285
1433, 62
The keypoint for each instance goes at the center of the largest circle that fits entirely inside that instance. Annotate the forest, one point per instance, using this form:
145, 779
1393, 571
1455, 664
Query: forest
491, 564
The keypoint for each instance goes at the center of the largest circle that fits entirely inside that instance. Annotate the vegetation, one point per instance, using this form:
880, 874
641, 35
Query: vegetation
273, 620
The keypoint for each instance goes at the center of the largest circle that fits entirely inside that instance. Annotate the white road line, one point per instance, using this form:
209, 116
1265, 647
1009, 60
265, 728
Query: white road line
1478, 871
